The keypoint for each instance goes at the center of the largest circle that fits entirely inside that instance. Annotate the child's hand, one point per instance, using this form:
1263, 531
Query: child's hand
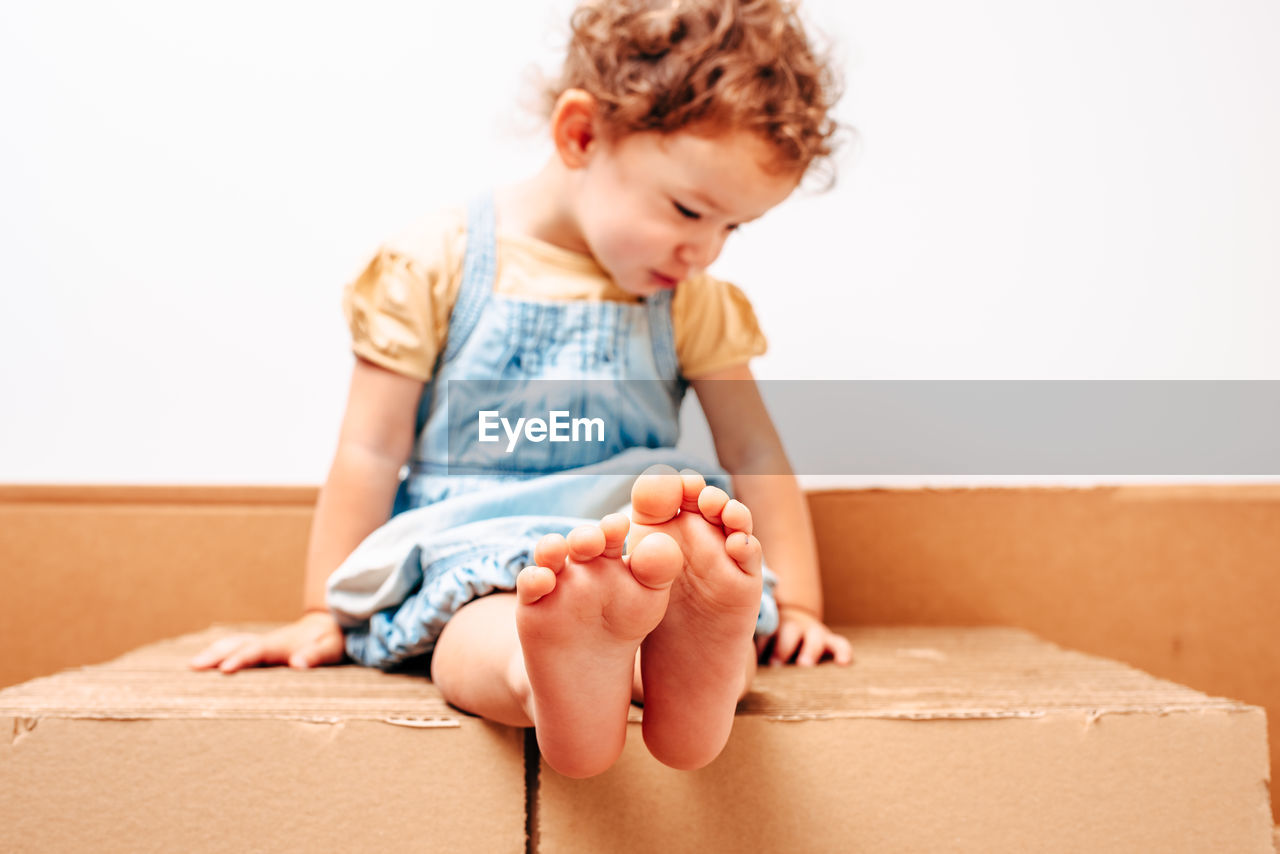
313, 640
802, 635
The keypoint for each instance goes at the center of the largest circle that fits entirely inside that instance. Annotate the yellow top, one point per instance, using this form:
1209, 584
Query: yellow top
398, 308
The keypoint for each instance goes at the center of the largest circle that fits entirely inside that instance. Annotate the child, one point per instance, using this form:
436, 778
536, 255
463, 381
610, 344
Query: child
673, 123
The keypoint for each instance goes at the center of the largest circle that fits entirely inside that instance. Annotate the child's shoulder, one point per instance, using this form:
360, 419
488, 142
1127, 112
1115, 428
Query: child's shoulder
704, 301
398, 306
714, 325
435, 239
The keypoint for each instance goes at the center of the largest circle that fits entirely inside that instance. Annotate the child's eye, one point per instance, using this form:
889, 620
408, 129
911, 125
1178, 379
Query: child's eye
685, 212
689, 214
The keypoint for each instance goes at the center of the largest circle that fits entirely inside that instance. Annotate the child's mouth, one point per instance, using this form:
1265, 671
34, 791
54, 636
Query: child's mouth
661, 280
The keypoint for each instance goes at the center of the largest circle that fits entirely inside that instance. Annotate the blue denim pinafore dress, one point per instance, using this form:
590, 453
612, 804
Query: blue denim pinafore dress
466, 519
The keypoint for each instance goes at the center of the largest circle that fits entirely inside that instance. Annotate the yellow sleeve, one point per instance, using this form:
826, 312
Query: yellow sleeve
398, 307
715, 327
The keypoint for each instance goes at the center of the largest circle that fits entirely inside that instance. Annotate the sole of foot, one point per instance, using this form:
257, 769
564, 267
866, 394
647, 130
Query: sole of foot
696, 664
581, 614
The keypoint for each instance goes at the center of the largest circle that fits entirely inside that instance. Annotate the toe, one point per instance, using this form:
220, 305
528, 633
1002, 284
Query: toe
551, 552
586, 542
745, 551
692, 484
615, 527
711, 502
533, 583
736, 517
656, 561
656, 495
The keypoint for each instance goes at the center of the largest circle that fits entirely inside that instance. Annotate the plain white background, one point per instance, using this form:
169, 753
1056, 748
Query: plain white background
1054, 189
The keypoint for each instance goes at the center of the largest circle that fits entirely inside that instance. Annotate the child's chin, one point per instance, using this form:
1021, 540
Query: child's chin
643, 288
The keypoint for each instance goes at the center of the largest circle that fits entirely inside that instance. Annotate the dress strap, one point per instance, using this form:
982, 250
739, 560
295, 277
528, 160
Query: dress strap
662, 334
477, 274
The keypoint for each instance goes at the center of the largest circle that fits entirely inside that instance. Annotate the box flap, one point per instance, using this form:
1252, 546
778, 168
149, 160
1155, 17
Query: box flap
155, 682
973, 672
942, 739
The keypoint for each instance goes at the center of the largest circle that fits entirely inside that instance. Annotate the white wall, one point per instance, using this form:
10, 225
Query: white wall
1051, 189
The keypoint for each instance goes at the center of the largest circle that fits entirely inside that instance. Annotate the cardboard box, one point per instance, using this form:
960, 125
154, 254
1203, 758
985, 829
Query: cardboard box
1180, 581
91, 572
142, 754
938, 739
942, 740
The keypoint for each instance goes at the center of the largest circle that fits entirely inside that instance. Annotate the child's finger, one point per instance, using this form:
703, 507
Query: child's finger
789, 635
305, 657
217, 651
315, 654
276, 647
841, 649
246, 656
813, 645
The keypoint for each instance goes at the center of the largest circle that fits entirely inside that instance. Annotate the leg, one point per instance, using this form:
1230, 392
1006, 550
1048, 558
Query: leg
478, 665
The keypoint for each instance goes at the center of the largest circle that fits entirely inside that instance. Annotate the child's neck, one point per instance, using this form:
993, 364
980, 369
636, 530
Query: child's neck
538, 208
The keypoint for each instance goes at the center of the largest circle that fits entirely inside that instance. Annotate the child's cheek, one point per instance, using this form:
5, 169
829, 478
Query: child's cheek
652, 241
631, 245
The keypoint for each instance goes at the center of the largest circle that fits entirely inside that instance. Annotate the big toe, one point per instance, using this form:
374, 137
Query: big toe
656, 561
656, 495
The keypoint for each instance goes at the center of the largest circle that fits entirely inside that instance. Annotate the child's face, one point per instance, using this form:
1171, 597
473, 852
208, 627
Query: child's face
654, 209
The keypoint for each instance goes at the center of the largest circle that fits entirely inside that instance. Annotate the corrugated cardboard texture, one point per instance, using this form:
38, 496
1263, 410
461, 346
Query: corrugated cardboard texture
1181, 581
974, 740
142, 755
951, 740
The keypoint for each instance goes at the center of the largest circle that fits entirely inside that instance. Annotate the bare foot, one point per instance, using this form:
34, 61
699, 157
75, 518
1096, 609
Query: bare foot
696, 664
581, 614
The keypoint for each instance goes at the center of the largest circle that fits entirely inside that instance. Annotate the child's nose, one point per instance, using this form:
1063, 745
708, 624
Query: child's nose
700, 253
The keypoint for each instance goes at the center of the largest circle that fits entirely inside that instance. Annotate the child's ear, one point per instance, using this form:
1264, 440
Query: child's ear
574, 127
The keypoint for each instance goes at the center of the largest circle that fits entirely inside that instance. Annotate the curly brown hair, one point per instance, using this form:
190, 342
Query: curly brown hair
666, 65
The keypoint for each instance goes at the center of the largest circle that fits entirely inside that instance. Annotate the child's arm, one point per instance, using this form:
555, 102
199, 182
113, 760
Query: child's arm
747, 443
376, 438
